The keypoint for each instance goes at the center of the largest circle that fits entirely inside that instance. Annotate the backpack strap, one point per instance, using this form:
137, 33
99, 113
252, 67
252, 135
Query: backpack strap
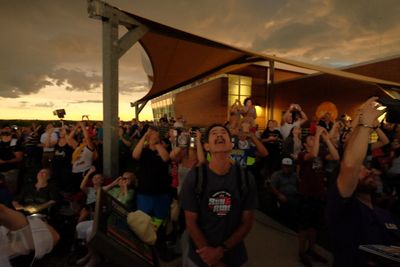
200, 181
243, 180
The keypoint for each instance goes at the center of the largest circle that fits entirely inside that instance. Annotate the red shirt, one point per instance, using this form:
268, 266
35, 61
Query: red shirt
311, 176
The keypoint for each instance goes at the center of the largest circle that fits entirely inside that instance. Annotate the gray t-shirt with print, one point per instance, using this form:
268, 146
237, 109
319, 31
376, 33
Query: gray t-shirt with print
220, 210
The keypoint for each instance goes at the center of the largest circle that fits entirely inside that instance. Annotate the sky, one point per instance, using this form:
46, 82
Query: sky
51, 50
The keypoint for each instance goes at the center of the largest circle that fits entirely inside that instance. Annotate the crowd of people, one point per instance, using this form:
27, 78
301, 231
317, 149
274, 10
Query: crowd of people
309, 169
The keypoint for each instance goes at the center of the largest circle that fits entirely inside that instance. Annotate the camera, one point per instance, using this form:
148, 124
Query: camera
183, 140
392, 109
60, 113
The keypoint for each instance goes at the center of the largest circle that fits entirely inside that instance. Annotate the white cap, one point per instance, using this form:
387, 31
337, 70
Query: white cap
287, 161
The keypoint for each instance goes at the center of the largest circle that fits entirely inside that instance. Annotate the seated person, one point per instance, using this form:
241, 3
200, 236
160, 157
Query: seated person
84, 229
124, 191
90, 192
38, 197
19, 235
353, 219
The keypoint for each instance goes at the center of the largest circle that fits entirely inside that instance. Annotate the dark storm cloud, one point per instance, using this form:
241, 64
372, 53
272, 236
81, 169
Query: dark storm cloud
49, 42
40, 37
334, 31
369, 15
295, 35
75, 80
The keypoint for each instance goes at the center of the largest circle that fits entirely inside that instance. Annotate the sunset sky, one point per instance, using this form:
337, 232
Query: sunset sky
51, 49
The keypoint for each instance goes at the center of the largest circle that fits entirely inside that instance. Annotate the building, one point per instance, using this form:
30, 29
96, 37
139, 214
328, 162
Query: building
207, 101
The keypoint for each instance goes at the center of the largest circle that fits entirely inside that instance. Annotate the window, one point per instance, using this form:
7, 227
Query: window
239, 88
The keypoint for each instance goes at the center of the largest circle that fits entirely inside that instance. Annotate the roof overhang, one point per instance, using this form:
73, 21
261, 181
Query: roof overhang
179, 58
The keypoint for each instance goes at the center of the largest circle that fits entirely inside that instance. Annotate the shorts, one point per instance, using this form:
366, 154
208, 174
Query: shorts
154, 205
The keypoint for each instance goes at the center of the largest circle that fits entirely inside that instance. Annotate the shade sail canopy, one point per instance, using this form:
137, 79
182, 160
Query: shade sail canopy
179, 58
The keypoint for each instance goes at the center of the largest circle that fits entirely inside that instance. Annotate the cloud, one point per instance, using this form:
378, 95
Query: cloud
86, 101
45, 105
55, 43
43, 36
75, 79
128, 87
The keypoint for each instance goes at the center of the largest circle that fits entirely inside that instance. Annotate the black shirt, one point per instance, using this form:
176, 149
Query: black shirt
273, 147
7, 150
220, 211
153, 175
351, 223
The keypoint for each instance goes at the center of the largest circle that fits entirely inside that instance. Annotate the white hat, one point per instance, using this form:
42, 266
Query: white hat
140, 223
287, 161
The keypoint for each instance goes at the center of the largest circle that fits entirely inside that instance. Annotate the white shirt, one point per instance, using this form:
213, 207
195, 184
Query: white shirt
53, 138
286, 128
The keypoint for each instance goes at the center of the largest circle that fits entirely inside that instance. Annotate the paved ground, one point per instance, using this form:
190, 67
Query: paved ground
269, 244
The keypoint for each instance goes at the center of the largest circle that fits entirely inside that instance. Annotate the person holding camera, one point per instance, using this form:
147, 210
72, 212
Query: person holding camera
83, 156
312, 191
249, 114
154, 182
353, 219
234, 117
294, 116
187, 154
48, 140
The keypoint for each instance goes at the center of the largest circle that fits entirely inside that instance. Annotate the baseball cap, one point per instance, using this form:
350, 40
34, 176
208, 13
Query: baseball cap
287, 161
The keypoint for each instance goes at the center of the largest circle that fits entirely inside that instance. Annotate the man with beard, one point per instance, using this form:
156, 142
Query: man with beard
218, 219
353, 219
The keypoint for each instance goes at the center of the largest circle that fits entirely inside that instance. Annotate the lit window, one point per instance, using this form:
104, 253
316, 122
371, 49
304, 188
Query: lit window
239, 88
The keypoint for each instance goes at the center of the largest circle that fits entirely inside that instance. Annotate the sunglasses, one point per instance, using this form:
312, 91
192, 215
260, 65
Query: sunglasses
6, 133
124, 178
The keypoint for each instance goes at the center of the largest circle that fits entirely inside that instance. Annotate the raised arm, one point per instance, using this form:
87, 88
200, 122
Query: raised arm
71, 141
86, 178
201, 158
137, 151
382, 139
356, 148
303, 116
333, 153
261, 150
162, 152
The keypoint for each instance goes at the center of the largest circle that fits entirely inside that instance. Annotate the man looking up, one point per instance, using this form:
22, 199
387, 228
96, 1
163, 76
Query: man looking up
219, 218
353, 219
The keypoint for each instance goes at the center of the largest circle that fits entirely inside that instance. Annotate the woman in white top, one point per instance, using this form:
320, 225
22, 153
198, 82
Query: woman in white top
19, 235
83, 156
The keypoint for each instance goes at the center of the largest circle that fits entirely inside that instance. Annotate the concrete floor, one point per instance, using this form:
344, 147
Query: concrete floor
270, 244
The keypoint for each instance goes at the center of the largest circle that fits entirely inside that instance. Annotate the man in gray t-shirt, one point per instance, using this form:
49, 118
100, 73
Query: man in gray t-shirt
220, 217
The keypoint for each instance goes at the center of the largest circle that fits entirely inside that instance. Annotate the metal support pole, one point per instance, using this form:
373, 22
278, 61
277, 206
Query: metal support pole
110, 96
270, 90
